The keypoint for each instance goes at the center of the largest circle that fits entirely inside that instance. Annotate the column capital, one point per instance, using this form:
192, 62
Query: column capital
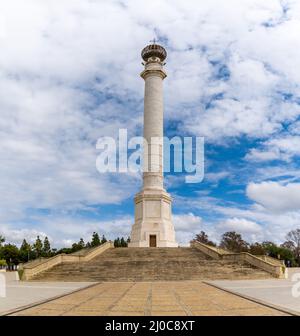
154, 72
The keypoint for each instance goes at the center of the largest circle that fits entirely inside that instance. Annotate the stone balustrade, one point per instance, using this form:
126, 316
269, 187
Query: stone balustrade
273, 266
33, 268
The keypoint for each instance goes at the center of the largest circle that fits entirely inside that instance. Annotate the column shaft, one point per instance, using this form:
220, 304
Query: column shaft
153, 130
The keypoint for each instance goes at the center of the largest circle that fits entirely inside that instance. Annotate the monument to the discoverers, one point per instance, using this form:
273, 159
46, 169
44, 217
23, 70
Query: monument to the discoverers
153, 225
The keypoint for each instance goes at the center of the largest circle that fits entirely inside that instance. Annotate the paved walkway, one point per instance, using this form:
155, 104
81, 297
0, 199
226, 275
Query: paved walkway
276, 292
20, 294
151, 298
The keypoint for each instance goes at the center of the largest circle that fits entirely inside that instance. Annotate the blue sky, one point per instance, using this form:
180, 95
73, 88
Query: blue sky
69, 74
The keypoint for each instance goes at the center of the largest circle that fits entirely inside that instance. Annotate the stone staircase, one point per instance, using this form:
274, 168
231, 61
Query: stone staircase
151, 264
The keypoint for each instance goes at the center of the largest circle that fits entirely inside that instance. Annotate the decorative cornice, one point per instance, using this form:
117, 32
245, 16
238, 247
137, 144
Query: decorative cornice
153, 72
153, 195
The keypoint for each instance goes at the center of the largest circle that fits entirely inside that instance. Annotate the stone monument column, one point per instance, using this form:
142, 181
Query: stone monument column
153, 225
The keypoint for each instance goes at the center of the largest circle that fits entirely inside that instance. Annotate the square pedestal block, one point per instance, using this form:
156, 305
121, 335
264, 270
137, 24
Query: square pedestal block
153, 225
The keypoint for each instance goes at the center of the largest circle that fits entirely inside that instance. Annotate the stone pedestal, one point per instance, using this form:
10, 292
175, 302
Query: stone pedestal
153, 218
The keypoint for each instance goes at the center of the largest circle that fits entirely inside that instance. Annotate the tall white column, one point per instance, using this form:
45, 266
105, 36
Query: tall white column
153, 216
153, 123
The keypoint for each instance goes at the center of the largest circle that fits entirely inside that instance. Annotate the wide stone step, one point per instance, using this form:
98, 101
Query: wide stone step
150, 264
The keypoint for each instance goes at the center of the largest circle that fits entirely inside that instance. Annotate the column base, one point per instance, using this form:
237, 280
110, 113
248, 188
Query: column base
153, 225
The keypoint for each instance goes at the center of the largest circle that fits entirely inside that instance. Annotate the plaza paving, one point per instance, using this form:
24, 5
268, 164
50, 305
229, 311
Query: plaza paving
277, 293
20, 293
184, 298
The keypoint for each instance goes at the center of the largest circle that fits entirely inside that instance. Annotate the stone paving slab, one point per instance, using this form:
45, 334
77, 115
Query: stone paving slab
184, 298
273, 292
20, 293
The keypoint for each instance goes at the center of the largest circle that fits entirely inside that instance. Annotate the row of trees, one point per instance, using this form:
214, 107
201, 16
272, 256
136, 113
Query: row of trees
233, 241
11, 254
289, 251
121, 242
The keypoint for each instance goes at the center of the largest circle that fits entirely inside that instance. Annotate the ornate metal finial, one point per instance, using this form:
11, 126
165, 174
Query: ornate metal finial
154, 50
153, 41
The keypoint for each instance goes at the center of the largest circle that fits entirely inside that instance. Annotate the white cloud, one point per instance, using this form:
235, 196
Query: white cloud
17, 236
216, 177
274, 225
274, 196
295, 128
187, 222
240, 225
63, 230
250, 230
281, 148
69, 74
255, 221
186, 226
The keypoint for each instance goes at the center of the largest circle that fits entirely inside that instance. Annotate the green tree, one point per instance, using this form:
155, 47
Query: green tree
2, 240
25, 251
279, 252
234, 242
81, 243
10, 253
78, 246
38, 247
46, 248
202, 237
66, 250
120, 242
103, 240
123, 242
95, 240
257, 249
117, 242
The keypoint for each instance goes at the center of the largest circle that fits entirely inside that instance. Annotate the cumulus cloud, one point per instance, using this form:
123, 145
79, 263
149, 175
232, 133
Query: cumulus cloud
186, 226
295, 128
17, 235
280, 148
187, 222
250, 230
274, 196
240, 225
274, 225
65, 229
254, 221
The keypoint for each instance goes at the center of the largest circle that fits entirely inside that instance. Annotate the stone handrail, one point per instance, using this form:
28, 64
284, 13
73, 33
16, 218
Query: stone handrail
208, 250
32, 269
272, 260
276, 268
36, 261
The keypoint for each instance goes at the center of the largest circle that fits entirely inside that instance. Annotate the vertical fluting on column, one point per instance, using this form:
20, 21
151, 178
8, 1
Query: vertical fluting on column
153, 124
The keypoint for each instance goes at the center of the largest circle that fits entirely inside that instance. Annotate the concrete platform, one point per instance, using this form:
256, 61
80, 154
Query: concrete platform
22, 294
276, 293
